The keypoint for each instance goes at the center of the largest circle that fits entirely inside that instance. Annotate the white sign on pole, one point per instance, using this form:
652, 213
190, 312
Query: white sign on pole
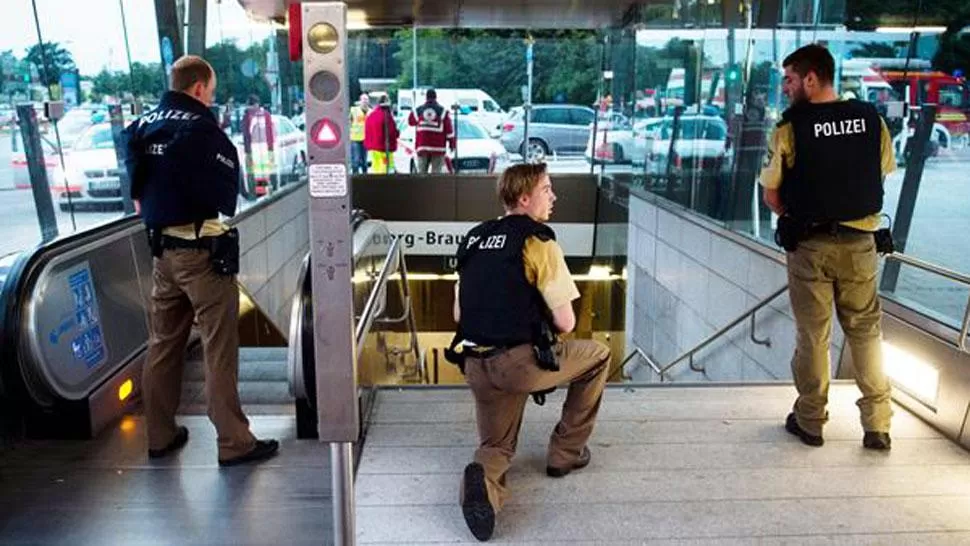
328, 180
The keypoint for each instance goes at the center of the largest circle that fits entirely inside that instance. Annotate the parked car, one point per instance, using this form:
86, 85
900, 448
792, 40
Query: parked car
553, 129
69, 129
477, 151
702, 148
92, 172
619, 141
20, 178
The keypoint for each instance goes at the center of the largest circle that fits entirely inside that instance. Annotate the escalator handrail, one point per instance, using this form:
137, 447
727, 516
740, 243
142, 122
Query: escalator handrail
296, 352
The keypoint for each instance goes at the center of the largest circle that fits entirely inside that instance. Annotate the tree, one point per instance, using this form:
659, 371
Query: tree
14, 75
145, 81
59, 59
240, 73
566, 63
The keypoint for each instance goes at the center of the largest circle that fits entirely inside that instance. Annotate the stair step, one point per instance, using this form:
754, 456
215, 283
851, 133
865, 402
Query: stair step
250, 369
250, 392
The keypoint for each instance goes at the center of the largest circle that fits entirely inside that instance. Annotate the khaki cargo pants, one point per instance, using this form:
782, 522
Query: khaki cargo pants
501, 385
839, 268
184, 285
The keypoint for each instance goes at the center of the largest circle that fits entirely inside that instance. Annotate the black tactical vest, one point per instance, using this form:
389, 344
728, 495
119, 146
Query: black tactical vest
498, 305
837, 174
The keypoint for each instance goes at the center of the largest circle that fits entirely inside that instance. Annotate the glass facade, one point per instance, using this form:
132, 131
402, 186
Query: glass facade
679, 99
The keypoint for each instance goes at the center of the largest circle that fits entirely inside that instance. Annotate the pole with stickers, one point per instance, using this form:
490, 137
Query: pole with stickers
322, 27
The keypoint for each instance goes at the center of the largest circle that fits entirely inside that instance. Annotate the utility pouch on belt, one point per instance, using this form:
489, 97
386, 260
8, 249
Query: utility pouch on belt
789, 233
544, 348
224, 252
884, 241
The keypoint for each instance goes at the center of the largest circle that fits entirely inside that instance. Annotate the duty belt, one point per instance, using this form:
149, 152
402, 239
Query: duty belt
171, 243
835, 228
484, 352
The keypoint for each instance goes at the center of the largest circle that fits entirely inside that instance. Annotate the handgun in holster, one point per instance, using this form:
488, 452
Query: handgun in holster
155, 242
789, 232
884, 241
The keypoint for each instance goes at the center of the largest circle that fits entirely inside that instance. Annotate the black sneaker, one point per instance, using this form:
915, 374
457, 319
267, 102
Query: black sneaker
877, 440
791, 425
181, 438
583, 461
264, 449
478, 511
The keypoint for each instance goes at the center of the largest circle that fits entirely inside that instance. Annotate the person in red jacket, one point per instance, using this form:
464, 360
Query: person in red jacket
434, 132
380, 137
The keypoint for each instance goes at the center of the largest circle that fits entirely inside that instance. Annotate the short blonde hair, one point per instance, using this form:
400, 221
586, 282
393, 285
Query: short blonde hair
190, 70
519, 180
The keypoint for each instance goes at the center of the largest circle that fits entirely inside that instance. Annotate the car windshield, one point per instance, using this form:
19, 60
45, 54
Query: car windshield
73, 124
98, 138
469, 130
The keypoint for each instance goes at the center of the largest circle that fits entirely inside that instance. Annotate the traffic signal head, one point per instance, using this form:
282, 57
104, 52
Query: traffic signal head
324, 32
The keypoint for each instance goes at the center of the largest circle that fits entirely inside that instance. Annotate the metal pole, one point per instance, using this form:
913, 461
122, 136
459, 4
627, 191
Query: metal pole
596, 110
117, 126
38, 173
909, 192
528, 97
414, 68
342, 482
124, 27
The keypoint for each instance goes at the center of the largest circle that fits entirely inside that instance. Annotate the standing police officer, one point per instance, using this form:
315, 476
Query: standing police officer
514, 288
184, 172
824, 177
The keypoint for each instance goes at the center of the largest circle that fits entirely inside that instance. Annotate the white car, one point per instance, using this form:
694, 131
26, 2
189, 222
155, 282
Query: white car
702, 148
92, 173
477, 151
622, 143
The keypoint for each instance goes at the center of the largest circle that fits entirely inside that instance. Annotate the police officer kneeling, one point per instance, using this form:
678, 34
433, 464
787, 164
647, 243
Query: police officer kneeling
184, 172
824, 179
514, 292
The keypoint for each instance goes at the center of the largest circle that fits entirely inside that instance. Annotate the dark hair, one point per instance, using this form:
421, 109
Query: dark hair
254, 100
190, 70
812, 58
431, 94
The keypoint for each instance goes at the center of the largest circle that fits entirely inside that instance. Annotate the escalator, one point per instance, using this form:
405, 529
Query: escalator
376, 257
74, 331
74, 328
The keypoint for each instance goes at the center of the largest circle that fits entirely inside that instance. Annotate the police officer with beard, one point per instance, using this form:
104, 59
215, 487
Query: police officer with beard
824, 178
515, 292
185, 172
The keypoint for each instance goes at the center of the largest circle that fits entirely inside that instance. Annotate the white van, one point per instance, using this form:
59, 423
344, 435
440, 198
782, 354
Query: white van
475, 103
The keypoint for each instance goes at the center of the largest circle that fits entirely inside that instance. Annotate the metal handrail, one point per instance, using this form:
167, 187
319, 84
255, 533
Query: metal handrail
367, 316
393, 259
949, 274
902, 258
689, 355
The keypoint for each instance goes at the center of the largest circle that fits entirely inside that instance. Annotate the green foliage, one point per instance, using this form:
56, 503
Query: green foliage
59, 59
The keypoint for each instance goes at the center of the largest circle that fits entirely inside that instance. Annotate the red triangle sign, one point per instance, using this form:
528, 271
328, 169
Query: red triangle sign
325, 133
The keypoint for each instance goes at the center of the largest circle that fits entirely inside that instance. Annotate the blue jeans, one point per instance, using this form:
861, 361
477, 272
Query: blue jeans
358, 157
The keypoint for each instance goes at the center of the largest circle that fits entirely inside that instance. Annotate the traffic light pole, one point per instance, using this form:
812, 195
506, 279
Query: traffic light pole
324, 37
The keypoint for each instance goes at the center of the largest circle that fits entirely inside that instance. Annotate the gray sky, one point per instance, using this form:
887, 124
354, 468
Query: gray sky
93, 33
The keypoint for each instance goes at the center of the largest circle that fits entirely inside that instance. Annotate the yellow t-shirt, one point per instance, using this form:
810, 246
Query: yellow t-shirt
781, 155
546, 269
210, 228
